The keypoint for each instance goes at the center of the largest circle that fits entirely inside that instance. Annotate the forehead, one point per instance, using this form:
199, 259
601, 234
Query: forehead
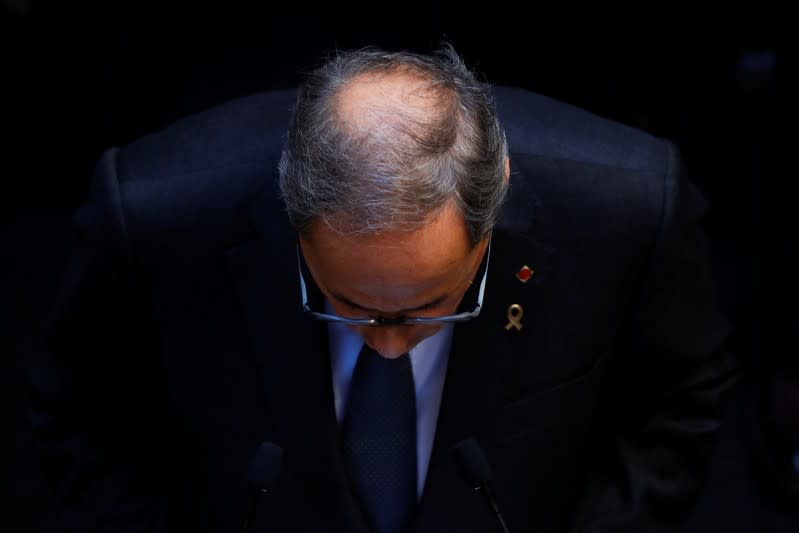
392, 270
439, 244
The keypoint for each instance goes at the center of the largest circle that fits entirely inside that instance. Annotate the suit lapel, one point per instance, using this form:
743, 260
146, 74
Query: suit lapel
482, 363
291, 353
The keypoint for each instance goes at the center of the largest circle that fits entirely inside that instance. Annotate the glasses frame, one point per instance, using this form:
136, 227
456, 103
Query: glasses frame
399, 321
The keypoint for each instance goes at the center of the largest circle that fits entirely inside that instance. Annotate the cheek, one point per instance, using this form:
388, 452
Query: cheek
419, 333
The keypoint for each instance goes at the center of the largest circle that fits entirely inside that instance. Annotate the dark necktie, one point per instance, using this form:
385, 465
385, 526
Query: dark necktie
380, 440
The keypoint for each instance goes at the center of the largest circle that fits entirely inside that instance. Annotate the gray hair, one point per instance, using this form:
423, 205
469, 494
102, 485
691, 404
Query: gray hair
397, 176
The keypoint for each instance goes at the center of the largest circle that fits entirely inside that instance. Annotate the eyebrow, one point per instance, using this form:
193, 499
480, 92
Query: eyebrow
402, 312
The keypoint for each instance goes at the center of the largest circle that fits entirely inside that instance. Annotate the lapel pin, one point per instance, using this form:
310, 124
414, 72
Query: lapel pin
525, 273
515, 314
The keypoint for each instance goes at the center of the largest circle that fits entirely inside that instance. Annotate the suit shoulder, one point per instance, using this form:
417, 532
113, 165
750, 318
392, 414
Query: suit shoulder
201, 172
540, 126
245, 131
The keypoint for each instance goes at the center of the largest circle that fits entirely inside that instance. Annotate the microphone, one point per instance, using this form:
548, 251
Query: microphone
475, 467
261, 476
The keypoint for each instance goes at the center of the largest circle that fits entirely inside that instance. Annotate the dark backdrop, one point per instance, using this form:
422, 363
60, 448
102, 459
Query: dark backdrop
79, 77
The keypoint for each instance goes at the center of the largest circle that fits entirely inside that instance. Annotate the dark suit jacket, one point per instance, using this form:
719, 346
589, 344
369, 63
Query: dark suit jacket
177, 344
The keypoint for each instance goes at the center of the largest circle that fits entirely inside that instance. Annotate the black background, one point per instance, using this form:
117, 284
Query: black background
78, 78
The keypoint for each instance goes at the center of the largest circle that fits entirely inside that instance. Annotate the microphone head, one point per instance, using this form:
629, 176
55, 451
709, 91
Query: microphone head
473, 462
265, 466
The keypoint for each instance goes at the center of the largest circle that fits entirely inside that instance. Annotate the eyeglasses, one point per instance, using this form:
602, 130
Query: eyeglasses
399, 321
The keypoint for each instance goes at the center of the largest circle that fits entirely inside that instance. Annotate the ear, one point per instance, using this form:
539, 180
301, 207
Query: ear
507, 169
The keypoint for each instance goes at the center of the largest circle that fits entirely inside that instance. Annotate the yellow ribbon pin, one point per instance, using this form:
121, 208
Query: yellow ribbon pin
515, 314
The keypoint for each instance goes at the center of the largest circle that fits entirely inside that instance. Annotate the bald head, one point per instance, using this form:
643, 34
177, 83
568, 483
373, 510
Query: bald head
384, 141
374, 103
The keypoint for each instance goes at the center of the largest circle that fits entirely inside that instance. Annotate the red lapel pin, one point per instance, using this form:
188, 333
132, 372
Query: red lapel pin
525, 273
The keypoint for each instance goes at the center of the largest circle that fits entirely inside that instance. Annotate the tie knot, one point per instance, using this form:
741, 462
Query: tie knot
372, 357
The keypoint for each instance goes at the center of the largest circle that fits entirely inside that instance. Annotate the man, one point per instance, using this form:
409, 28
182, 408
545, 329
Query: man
416, 282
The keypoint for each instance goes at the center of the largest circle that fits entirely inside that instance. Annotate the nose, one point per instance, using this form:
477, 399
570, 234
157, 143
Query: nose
390, 341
